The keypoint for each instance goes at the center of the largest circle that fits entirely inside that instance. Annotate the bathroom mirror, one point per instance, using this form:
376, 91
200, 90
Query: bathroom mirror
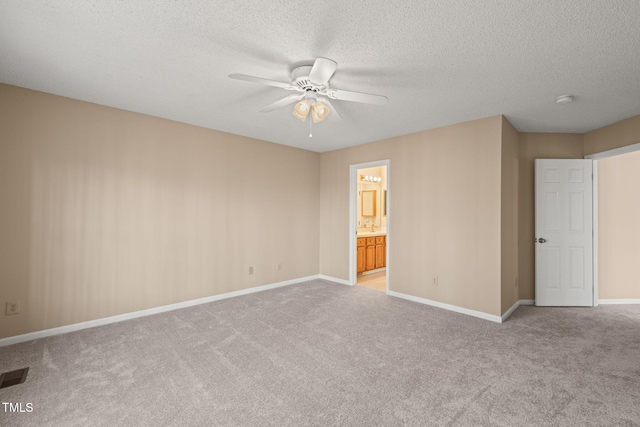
369, 203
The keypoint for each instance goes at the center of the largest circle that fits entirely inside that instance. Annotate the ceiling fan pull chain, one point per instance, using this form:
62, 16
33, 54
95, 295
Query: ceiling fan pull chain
310, 121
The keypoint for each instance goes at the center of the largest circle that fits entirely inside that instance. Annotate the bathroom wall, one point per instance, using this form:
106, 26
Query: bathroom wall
380, 219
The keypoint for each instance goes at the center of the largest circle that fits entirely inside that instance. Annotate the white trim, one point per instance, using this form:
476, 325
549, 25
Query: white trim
353, 189
335, 279
508, 313
620, 301
595, 231
449, 307
615, 152
133, 315
353, 209
517, 304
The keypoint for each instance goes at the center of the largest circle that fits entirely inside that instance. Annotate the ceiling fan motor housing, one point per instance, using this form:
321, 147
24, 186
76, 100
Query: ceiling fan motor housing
300, 79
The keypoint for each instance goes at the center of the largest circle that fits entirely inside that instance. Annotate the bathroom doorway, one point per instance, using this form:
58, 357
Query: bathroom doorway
369, 225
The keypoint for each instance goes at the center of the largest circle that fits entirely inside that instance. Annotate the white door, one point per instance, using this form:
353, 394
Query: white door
564, 232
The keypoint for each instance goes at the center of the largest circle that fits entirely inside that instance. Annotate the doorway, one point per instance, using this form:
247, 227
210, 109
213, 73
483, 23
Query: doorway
633, 148
595, 273
369, 225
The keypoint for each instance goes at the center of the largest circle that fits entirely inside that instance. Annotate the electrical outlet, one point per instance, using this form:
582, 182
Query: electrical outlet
279, 266
250, 270
13, 307
435, 281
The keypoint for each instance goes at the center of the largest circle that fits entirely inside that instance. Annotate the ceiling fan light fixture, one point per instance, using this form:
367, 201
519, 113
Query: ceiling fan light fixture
319, 112
301, 110
312, 82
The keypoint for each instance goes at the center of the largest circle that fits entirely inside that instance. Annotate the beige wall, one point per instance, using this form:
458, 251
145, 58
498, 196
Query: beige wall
536, 146
444, 212
107, 212
618, 233
620, 134
509, 214
618, 227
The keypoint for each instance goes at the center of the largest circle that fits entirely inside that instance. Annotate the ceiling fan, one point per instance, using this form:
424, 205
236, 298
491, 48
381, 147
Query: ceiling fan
312, 81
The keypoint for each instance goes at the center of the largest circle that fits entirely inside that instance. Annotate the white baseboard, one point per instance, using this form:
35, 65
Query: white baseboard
126, 316
620, 301
334, 279
449, 307
517, 304
508, 313
133, 315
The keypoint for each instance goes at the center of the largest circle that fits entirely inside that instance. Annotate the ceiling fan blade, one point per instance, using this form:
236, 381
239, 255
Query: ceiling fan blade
334, 113
347, 95
322, 71
282, 102
260, 80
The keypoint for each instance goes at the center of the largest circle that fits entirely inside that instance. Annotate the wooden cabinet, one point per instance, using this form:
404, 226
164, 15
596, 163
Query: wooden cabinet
380, 252
371, 258
371, 253
362, 255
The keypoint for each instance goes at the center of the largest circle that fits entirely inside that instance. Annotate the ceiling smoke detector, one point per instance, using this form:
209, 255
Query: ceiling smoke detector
564, 99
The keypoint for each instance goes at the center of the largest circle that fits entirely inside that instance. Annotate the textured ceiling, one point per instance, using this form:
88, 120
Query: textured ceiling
438, 62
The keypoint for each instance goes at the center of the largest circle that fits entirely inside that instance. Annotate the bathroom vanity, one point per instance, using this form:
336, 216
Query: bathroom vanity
371, 251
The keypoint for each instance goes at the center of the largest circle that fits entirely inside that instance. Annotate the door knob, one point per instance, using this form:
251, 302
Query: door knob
542, 240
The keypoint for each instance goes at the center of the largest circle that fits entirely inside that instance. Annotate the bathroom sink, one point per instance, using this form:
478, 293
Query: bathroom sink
371, 233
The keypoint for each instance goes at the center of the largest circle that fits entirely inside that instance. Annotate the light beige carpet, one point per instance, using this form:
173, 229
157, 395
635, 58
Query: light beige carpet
324, 354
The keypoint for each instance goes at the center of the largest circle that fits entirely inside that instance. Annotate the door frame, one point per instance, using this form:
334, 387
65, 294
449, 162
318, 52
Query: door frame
595, 157
353, 193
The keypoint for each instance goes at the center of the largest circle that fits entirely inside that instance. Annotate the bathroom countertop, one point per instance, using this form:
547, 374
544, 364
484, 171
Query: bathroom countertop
371, 233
